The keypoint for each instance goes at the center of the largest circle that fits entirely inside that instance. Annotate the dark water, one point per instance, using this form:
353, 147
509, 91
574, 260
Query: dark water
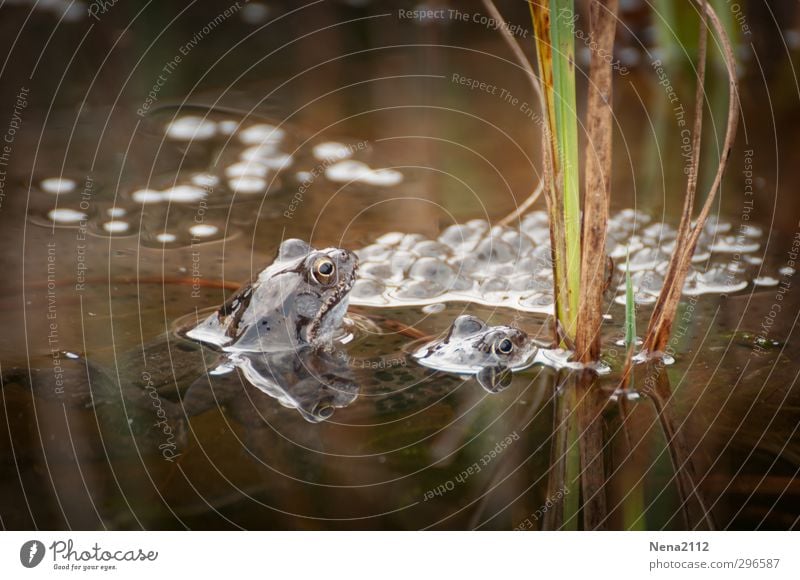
711, 441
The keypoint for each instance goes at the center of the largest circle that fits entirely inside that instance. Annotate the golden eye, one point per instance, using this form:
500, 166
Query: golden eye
503, 346
324, 270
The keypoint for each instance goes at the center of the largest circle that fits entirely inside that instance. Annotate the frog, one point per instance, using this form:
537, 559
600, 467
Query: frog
472, 347
298, 301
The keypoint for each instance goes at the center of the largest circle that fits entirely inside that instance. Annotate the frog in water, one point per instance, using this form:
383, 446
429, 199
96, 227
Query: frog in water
279, 330
471, 347
297, 301
276, 333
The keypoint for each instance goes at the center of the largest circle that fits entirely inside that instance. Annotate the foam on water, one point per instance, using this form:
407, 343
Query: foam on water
116, 227
64, 215
191, 128
57, 185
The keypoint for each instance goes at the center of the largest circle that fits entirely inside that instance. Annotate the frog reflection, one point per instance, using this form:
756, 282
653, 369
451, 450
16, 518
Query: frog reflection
471, 347
314, 382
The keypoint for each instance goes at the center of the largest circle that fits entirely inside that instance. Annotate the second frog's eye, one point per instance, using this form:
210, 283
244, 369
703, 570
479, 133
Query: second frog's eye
503, 346
324, 270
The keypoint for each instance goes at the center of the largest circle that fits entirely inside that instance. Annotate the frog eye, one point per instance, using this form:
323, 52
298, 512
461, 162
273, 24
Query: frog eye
324, 270
503, 346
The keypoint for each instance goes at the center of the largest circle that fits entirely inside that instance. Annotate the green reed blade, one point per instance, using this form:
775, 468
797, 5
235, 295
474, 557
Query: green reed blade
630, 307
555, 51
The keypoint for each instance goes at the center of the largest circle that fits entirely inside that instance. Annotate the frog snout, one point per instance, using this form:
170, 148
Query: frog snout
345, 258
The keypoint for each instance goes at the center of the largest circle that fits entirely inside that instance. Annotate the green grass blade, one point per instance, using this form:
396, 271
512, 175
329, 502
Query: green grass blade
630, 307
566, 126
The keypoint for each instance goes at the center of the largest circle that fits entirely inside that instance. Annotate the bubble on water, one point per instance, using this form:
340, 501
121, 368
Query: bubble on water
57, 185
632, 216
717, 279
184, 194
376, 270
621, 342
278, 161
254, 13
383, 177
639, 298
430, 248
350, 170
246, 169
659, 231
391, 239
147, 196
521, 245
644, 259
205, 180
247, 184
259, 152
714, 225
751, 231
527, 284
434, 270
74, 11
368, 289
191, 128
116, 212
203, 230
166, 238
346, 171
116, 227
494, 251
538, 301
433, 308
260, 134
700, 256
400, 262
460, 237
373, 252
332, 150
64, 215
787, 271
733, 245
227, 127
461, 284
418, 290
494, 286
648, 281
615, 249
536, 226
766, 281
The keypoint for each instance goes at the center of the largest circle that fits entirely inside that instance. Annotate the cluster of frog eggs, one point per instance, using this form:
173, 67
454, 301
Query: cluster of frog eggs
260, 155
507, 267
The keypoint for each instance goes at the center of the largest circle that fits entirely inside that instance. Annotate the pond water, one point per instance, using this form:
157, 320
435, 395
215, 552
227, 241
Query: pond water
158, 162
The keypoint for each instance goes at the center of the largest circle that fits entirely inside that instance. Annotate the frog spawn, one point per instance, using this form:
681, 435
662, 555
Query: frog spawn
509, 267
235, 162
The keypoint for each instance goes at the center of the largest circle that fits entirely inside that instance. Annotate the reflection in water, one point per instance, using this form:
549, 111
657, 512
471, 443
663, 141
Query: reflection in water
313, 381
